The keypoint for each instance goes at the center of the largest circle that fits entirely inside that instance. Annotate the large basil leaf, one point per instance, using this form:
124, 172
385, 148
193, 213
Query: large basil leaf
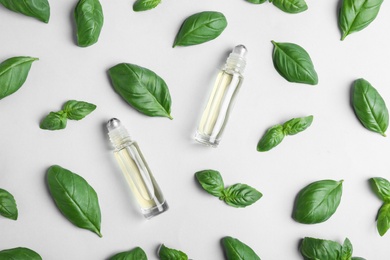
236, 250
319, 249
134, 254
256, 1
199, 28
142, 89
355, 15
13, 73
89, 21
143, 5
370, 107
296, 125
381, 187
290, 6
166, 253
54, 121
211, 181
241, 195
318, 201
346, 250
8, 206
293, 63
39, 9
77, 110
383, 221
75, 198
19, 253
271, 138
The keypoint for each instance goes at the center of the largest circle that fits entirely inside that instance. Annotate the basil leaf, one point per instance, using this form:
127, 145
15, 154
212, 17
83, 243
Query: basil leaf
134, 254
166, 253
355, 15
256, 1
370, 107
381, 187
383, 221
39, 9
54, 121
293, 63
143, 89
8, 206
143, 5
318, 201
19, 253
200, 28
211, 181
319, 249
358, 258
13, 74
297, 125
290, 6
346, 250
241, 195
89, 22
271, 138
75, 198
236, 250
76, 110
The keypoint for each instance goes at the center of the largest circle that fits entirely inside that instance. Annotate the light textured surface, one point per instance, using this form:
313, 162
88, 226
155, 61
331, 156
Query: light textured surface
336, 146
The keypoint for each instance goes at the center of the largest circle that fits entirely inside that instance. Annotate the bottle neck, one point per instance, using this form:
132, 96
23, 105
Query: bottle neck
119, 137
235, 63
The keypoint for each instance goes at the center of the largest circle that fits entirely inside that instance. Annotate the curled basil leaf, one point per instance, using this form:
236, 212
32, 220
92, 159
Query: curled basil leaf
75, 198
54, 121
355, 15
134, 254
290, 6
19, 253
144, 5
77, 110
211, 181
236, 250
319, 249
241, 195
89, 22
256, 1
166, 253
39, 9
143, 89
8, 206
297, 125
369, 106
381, 187
13, 74
318, 201
271, 138
383, 221
200, 28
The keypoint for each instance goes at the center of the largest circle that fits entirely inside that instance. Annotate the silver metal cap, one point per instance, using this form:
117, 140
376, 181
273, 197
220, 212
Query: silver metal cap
113, 123
240, 50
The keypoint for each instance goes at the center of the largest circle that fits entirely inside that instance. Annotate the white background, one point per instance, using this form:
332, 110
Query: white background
336, 146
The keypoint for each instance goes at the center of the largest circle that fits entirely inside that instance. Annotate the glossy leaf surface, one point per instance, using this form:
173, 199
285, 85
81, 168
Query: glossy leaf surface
241, 195
236, 250
290, 6
166, 253
39, 9
8, 206
211, 181
271, 138
297, 125
383, 221
54, 121
76, 110
256, 1
134, 254
381, 187
19, 253
346, 250
144, 5
319, 249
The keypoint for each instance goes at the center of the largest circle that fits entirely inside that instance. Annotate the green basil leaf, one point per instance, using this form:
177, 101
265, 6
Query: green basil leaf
297, 125
381, 187
13, 74
358, 258
211, 181
318, 201
143, 89
346, 250
236, 250
271, 138
166, 253
319, 249
19, 253
241, 195
200, 28
76, 110
256, 1
143, 5
39, 9
134, 254
355, 15
8, 206
89, 22
54, 121
383, 221
290, 6
75, 198
293, 63
370, 107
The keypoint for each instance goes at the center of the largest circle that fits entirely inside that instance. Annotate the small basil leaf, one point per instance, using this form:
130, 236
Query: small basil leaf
369, 106
381, 187
8, 206
39, 9
134, 254
290, 6
297, 125
75, 198
256, 1
13, 74
358, 258
89, 21
200, 28
293, 63
319, 249
143, 5
19, 253
211, 181
346, 250
383, 221
236, 250
318, 201
355, 15
166, 253
271, 138
76, 110
241, 195
143, 89
54, 121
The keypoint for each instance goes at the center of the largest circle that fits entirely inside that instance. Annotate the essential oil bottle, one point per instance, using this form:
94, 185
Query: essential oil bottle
221, 100
136, 171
